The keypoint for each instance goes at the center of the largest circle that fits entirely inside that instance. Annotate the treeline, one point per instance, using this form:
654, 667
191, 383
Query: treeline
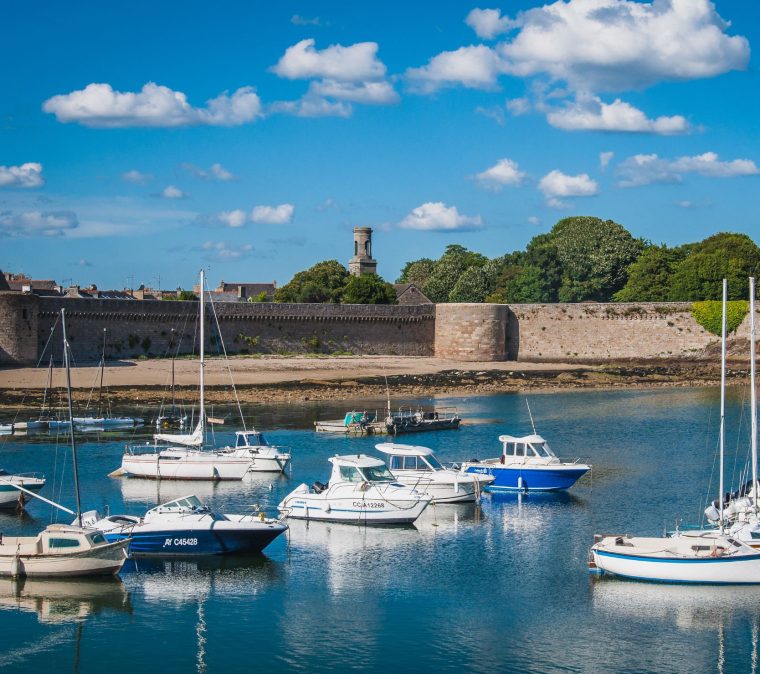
588, 259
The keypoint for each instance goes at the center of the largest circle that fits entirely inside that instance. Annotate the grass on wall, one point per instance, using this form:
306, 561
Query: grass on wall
709, 314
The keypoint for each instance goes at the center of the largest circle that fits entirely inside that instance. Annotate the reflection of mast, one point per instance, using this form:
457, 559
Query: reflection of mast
200, 632
721, 649
753, 657
77, 647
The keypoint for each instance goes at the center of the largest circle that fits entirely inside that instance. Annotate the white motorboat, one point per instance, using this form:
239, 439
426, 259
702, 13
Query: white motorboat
10, 495
361, 490
185, 526
713, 556
416, 467
61, 550
6, 429
184, 457
264, 458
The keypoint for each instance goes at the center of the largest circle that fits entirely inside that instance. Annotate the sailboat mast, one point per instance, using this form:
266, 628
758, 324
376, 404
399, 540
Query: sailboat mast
71, 416
102, 368
49, 387
753, 394
203, 353
722, 396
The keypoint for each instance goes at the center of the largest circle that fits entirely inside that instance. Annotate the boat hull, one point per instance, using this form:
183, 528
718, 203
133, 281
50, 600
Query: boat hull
106, 560
165, 541
10, 497
534, 478
410, 426
353, 510
721, 570
193, 466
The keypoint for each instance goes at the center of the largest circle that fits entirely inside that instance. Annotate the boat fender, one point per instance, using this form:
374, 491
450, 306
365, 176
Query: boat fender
326, 507
502, 459
262, 516
15, 567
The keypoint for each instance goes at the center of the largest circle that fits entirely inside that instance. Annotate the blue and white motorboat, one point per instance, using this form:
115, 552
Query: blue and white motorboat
10, 494
527, 464
185, 526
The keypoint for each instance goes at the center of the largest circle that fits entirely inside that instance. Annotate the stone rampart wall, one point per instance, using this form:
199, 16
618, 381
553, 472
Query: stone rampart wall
156, 328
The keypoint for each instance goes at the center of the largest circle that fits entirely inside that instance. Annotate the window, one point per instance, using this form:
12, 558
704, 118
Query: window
396, 462
541, 449
366, 248
377, 474
63, 543
350, 474
410, 463
356, 247
519, 449
433, 462
98, 538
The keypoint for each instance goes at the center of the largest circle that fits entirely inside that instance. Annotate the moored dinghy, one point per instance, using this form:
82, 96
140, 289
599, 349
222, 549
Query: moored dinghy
361, 490
416, 467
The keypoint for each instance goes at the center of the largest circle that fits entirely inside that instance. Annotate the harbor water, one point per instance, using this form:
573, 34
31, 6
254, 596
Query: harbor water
502, 586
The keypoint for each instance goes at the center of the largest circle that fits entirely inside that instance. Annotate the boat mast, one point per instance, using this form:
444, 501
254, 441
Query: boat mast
71, 416
203, 353
102, 369
753, 394
722, 395
49, 387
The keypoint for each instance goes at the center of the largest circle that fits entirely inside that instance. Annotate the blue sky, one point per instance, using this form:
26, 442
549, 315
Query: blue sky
143, 140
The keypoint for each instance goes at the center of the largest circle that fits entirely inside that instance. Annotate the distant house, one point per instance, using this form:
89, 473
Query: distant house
92, 292
408, 293
26, 284
240, 292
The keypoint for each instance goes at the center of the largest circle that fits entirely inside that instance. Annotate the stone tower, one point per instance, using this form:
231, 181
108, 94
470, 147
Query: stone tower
362, 262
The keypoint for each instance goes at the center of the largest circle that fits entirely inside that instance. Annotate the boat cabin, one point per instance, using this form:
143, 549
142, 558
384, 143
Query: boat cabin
529, 447
359, 468
409, 457
250, 439
184, 505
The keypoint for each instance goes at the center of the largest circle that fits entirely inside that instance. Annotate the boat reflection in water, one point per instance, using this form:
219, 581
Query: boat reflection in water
64, 601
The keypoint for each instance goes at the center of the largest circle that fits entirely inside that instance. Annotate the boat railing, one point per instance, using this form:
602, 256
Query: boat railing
35, 476
417, 415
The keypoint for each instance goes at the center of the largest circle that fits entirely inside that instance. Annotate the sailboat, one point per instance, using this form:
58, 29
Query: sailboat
102, 420
60, 549
713, 556
183, 456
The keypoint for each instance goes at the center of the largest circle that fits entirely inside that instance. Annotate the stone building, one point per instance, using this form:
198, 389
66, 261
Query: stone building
362, 261
409, 294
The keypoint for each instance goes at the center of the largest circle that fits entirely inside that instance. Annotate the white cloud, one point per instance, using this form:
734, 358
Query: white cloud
84, 263
533, 220
312, 106
505, 172
488, 23
220, 251
137, 177
617, 45
37, 223
495, 112
590, 113
26, 175
436, 216
474, 67
298, 20
518, 106
173, 192
100, 106
357, 62
645, 169
605, 158
273, 215
236, 218
221, 173
216, 171
556, 184
368, 93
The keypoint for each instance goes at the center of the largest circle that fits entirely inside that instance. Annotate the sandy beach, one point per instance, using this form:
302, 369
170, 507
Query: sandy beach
271, 379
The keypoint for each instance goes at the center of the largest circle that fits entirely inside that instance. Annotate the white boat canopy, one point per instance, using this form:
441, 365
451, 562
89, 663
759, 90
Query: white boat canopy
532, 439
357, 460
193, 440
403, 450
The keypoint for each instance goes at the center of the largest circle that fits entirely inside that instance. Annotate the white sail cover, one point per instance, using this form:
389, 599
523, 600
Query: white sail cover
193, 440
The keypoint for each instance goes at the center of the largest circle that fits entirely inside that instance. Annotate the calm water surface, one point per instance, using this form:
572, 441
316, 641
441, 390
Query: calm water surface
498, 587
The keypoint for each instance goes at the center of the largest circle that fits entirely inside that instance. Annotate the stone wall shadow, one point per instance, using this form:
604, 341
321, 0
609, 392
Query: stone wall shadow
512, 336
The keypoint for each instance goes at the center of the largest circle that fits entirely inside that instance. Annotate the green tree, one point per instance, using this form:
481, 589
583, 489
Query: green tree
473, 285
725, 255
650, 277
452, 264
322, 283
182, 296
595, 255
417, 271
368, 289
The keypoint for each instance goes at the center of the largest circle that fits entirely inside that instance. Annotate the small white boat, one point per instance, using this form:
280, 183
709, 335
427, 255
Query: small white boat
361, 490
416, 467
11, 496
6, 429
263, 457
107, 422
63, 551
185, 526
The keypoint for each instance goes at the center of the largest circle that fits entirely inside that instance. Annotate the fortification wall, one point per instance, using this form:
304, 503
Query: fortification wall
471, 332
603, 332
153, 328
18, 328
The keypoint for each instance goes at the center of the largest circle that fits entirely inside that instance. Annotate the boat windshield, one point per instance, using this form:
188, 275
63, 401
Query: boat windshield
189, 503
377, 474
542, 449
251, 440
350, 474
433, 462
